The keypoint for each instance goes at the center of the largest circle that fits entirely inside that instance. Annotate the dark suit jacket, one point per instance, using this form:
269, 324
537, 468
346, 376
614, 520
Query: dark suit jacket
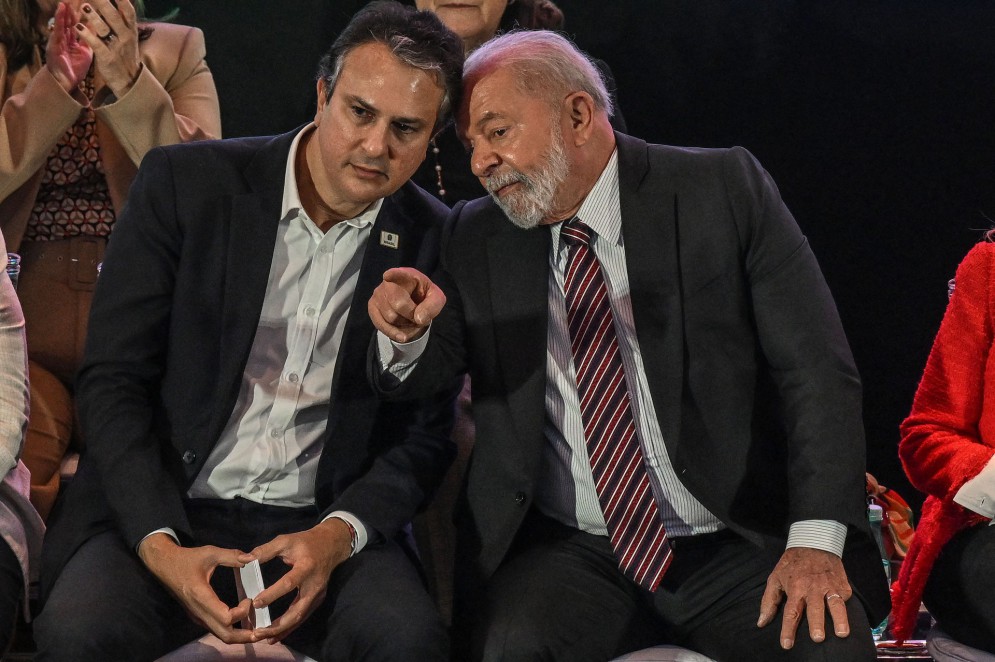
173, 319
752, 379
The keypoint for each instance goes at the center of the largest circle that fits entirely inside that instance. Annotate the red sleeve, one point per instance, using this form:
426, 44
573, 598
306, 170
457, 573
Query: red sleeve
941, 446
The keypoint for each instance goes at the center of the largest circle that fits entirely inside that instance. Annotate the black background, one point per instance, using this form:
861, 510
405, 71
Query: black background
874, 118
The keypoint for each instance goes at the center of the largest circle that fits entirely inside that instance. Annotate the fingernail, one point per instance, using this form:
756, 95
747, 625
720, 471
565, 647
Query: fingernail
87, 8
79, 26
786, 644
818, 636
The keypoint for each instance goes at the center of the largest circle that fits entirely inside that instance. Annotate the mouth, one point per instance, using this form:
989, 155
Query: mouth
365, 172
506, 189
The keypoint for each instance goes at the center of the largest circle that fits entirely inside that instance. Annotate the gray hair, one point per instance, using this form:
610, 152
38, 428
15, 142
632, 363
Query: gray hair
548, 66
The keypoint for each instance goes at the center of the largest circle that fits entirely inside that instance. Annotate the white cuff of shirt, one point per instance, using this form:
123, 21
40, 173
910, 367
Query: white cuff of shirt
362, 536
978, 494
825, 534
399, 358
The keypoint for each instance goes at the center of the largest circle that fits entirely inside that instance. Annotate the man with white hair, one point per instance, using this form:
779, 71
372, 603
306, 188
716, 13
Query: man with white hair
669, 440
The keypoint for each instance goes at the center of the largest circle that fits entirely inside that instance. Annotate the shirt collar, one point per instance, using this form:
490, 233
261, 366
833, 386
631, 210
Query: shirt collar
601, 210
292, 206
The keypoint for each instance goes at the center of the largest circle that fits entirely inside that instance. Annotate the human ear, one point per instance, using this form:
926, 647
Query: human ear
580, 109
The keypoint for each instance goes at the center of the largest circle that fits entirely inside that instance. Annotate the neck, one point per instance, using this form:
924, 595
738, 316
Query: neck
315, 204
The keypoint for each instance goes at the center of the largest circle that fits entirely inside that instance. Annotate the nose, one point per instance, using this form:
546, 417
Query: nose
375, 140
483, 160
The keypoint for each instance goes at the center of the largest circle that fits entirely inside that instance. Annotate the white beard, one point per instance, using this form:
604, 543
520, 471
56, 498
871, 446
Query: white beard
533, 202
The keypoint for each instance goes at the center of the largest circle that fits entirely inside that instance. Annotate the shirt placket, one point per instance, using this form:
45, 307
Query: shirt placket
302, 336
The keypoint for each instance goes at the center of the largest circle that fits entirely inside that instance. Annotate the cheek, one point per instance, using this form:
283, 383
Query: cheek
409, 157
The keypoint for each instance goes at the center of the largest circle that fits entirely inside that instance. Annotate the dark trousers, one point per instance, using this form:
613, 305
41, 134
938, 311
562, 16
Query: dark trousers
11, 594
961, 585
106, 606
561, 596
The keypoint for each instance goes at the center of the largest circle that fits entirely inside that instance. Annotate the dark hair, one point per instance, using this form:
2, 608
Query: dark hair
417, 38
19, 30
531, 15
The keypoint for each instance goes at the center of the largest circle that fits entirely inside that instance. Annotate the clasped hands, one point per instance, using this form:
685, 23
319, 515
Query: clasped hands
404, 304
100, 32
186, 572
807, 581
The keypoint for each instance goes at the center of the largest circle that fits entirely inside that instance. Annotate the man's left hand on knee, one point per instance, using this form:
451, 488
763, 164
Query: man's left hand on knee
807, 580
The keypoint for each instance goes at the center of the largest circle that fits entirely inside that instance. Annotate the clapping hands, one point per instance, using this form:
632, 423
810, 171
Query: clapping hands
103, 33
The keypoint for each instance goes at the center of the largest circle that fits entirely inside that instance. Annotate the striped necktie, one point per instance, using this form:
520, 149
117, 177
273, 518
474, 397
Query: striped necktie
637, 534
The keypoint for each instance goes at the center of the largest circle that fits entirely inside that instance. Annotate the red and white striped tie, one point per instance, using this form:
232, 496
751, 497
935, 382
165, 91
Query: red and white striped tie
637, 534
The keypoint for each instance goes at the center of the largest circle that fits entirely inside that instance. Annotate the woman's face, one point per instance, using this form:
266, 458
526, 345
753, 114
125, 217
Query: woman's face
475, 21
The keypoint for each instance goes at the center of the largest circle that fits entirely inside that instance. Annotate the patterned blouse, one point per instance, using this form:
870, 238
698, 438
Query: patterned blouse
73, 198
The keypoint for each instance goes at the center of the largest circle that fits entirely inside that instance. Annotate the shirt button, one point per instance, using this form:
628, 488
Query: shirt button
274, 433
520, 498
293, 377
309, 311
189, 457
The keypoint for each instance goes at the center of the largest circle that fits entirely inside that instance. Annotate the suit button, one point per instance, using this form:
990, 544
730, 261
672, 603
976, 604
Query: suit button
189, 457
520, 498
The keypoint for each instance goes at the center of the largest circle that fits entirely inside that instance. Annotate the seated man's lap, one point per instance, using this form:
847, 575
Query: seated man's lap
380, 588
562, 597
376, 608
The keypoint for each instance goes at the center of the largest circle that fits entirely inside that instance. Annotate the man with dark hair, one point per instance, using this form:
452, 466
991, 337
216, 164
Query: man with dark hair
669, 444
223, 395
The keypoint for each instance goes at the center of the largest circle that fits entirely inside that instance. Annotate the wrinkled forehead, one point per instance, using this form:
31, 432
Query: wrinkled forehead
486, 92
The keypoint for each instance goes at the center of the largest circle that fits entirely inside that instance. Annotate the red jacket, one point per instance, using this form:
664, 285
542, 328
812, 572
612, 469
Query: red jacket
949, 436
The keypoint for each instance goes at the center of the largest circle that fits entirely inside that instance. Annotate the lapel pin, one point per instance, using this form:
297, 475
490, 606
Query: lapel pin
389, 239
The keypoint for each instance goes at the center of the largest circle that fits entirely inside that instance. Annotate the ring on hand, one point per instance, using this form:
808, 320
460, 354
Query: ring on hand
107, 38
833, 595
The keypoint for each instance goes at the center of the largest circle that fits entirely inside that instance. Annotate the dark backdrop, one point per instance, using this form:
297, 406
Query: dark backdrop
874, 117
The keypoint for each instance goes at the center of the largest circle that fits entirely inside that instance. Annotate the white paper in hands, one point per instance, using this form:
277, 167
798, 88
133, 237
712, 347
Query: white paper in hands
249, 583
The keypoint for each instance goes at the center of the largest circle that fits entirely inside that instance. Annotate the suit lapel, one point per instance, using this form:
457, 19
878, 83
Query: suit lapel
652, 251
252, 223
353, 406
518, 269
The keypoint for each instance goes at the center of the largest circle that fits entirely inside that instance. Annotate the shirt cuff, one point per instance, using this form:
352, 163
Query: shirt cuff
362, 536
168, 531
399, 359
825, 534
978, 494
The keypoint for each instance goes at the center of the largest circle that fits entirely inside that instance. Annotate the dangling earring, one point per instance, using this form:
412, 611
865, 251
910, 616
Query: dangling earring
438, 169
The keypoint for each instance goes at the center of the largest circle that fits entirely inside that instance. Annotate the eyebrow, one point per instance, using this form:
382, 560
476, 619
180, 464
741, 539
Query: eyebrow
353, 99
487, 117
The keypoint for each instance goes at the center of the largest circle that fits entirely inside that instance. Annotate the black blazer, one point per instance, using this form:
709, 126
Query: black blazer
752, 379
172, 322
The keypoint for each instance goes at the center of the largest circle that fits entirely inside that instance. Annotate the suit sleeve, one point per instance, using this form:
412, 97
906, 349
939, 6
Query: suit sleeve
31, 122
125, 357
174, 99
444, 356
802, 339
940, 446
404, 477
